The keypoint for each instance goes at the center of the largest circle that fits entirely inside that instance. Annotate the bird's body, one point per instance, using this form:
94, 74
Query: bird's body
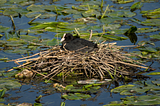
77, 44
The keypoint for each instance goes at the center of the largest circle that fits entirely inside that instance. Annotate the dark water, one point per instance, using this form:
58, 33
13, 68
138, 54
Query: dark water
28, 92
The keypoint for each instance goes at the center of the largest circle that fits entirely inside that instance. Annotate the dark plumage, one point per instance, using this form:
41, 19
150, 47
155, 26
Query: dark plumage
76, 44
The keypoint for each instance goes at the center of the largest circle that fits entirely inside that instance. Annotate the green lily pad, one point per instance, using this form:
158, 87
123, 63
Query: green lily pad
124, 1
121, 13
3, 29
53, 42
9, 84
17, 1
3, 1
91, 13
2, 92
112, 26
109, 20
117, 31
29, 38
32, 14
36, 8
154, 73
136, 6
122, 88
151, 13
148, 49
146, 30
10, 12
156, 36
76, 96
156, 82
151, 22
113, 37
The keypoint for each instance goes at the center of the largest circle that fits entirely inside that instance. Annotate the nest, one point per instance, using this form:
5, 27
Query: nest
108, 61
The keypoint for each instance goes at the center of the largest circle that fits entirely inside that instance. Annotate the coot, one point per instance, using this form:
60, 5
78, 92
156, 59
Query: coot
76, 44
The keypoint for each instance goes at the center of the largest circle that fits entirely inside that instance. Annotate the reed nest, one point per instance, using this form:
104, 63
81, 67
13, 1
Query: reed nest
108, 60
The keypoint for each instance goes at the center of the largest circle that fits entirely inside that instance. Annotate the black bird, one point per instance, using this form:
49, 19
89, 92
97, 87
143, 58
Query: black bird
76, 44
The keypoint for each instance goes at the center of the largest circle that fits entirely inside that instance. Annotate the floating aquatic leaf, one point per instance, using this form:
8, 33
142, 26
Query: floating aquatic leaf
117, 31
151, 22
32, 14
151, 13
36, 8
70, 11
109, 20
148, 49
10, 12
2, 92
121, 13
156, 36
122, 88
3, 29
17, 1
123, 1
9, 84
91, 13
136, 6
76, 96
156, 82
53, 42
136, 20
112, 26
154, 73
113, 37
3, 1
146, 30
29, 38
47, 15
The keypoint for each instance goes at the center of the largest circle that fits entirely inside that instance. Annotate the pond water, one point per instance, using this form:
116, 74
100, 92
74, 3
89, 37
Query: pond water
30, 90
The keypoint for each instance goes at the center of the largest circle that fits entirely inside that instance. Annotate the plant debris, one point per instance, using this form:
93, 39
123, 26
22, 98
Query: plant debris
108, 61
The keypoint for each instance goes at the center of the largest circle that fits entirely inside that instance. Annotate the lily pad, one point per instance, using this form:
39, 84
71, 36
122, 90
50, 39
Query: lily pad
9, 84
109, 20
17, 1
3, 1
123, 1
154, 73
76, 96
146, 30
151, 22
113, 37
3, 29
10, 12
91, 13
36, 8
136, 6
121, 13
156, 36
151, 13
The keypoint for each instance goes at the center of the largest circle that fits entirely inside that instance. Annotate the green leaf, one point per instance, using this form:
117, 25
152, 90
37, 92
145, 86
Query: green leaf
154, 73
146, 30
151, 22
121, 13
136, 6
156, 36
2, 92
9, 84
113, 37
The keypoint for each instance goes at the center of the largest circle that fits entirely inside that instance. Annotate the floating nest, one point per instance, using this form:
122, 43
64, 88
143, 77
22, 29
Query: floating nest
108, 61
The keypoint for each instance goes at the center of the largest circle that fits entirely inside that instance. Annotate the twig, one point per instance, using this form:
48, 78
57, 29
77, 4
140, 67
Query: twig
90, 36
13, 24
34, 19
